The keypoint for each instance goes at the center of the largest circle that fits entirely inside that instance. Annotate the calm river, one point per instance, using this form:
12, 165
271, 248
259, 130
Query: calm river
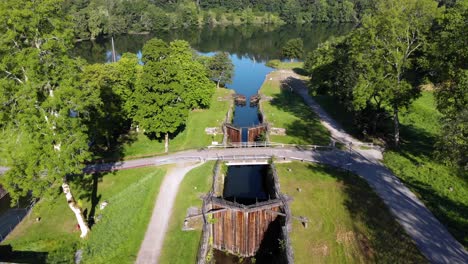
250, 47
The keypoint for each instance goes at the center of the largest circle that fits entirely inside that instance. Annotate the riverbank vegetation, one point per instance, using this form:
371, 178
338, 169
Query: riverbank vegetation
96, 18
375, 82
285, 109
348, 222
117, 230
195, 184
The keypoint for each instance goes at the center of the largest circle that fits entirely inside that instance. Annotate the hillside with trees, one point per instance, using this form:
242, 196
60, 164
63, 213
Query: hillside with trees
95, 18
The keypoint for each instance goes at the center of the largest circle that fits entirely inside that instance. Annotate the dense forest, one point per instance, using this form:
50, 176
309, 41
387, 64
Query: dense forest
94, 18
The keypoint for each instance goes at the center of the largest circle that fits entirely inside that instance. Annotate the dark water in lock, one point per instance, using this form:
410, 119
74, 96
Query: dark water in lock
248, 184
250, 47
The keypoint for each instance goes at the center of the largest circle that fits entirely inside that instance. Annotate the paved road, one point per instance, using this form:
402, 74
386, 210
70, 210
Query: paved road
154, 238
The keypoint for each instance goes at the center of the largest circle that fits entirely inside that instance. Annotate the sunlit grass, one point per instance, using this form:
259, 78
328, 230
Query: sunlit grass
57, 234
193, 136
287, 110
443, 188
348, 222
195, 184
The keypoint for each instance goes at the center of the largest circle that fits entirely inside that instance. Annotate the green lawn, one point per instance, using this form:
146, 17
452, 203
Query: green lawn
348, 221
288, 110
196, 183
287, 65
117, 236
416, 164
193, 136
442, 188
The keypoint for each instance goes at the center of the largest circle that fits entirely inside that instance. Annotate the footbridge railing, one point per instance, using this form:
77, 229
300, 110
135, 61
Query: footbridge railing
265, 144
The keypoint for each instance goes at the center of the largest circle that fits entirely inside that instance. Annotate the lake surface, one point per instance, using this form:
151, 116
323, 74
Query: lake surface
250, 47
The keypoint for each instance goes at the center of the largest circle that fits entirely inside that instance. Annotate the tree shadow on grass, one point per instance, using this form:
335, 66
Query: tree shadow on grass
88, 184
417, 142
382, 239
116, 152
453, 214
8, 255
307, 129
300, 71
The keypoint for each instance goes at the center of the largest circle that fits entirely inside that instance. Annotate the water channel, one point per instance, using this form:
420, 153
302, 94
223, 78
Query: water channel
250, 47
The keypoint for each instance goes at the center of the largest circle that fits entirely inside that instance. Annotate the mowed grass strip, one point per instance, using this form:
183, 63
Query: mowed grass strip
115, 239
182, 246
193, 136
348, 222
287, 110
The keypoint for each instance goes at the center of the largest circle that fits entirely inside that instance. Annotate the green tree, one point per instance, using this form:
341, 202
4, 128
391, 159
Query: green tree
293, 49
115, 84
43, 129
192, 75
290, 11
399, 29
172, 83
449, 71
220, 68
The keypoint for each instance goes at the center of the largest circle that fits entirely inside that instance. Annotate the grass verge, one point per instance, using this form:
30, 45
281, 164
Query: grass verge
288, 110
196, 183
117, 235
193, 135
349, 223
442, 188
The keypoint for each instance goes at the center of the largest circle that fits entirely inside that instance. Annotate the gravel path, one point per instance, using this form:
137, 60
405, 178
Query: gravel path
154, 238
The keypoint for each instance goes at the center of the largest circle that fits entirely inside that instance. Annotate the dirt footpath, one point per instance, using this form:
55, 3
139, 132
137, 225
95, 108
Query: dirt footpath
154, 238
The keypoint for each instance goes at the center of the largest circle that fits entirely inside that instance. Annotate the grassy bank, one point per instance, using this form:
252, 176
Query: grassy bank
285, 65
348, 221
191, 137
116, 236
196, 183
287, 110
442, 188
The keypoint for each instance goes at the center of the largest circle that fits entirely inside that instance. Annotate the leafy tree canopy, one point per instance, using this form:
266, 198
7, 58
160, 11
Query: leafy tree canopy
43, 108
293, 49
220, 68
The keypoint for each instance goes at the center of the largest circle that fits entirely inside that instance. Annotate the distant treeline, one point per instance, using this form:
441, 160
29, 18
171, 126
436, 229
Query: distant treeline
94, 18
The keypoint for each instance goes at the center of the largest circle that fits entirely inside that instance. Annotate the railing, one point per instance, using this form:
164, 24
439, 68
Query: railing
265, 144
